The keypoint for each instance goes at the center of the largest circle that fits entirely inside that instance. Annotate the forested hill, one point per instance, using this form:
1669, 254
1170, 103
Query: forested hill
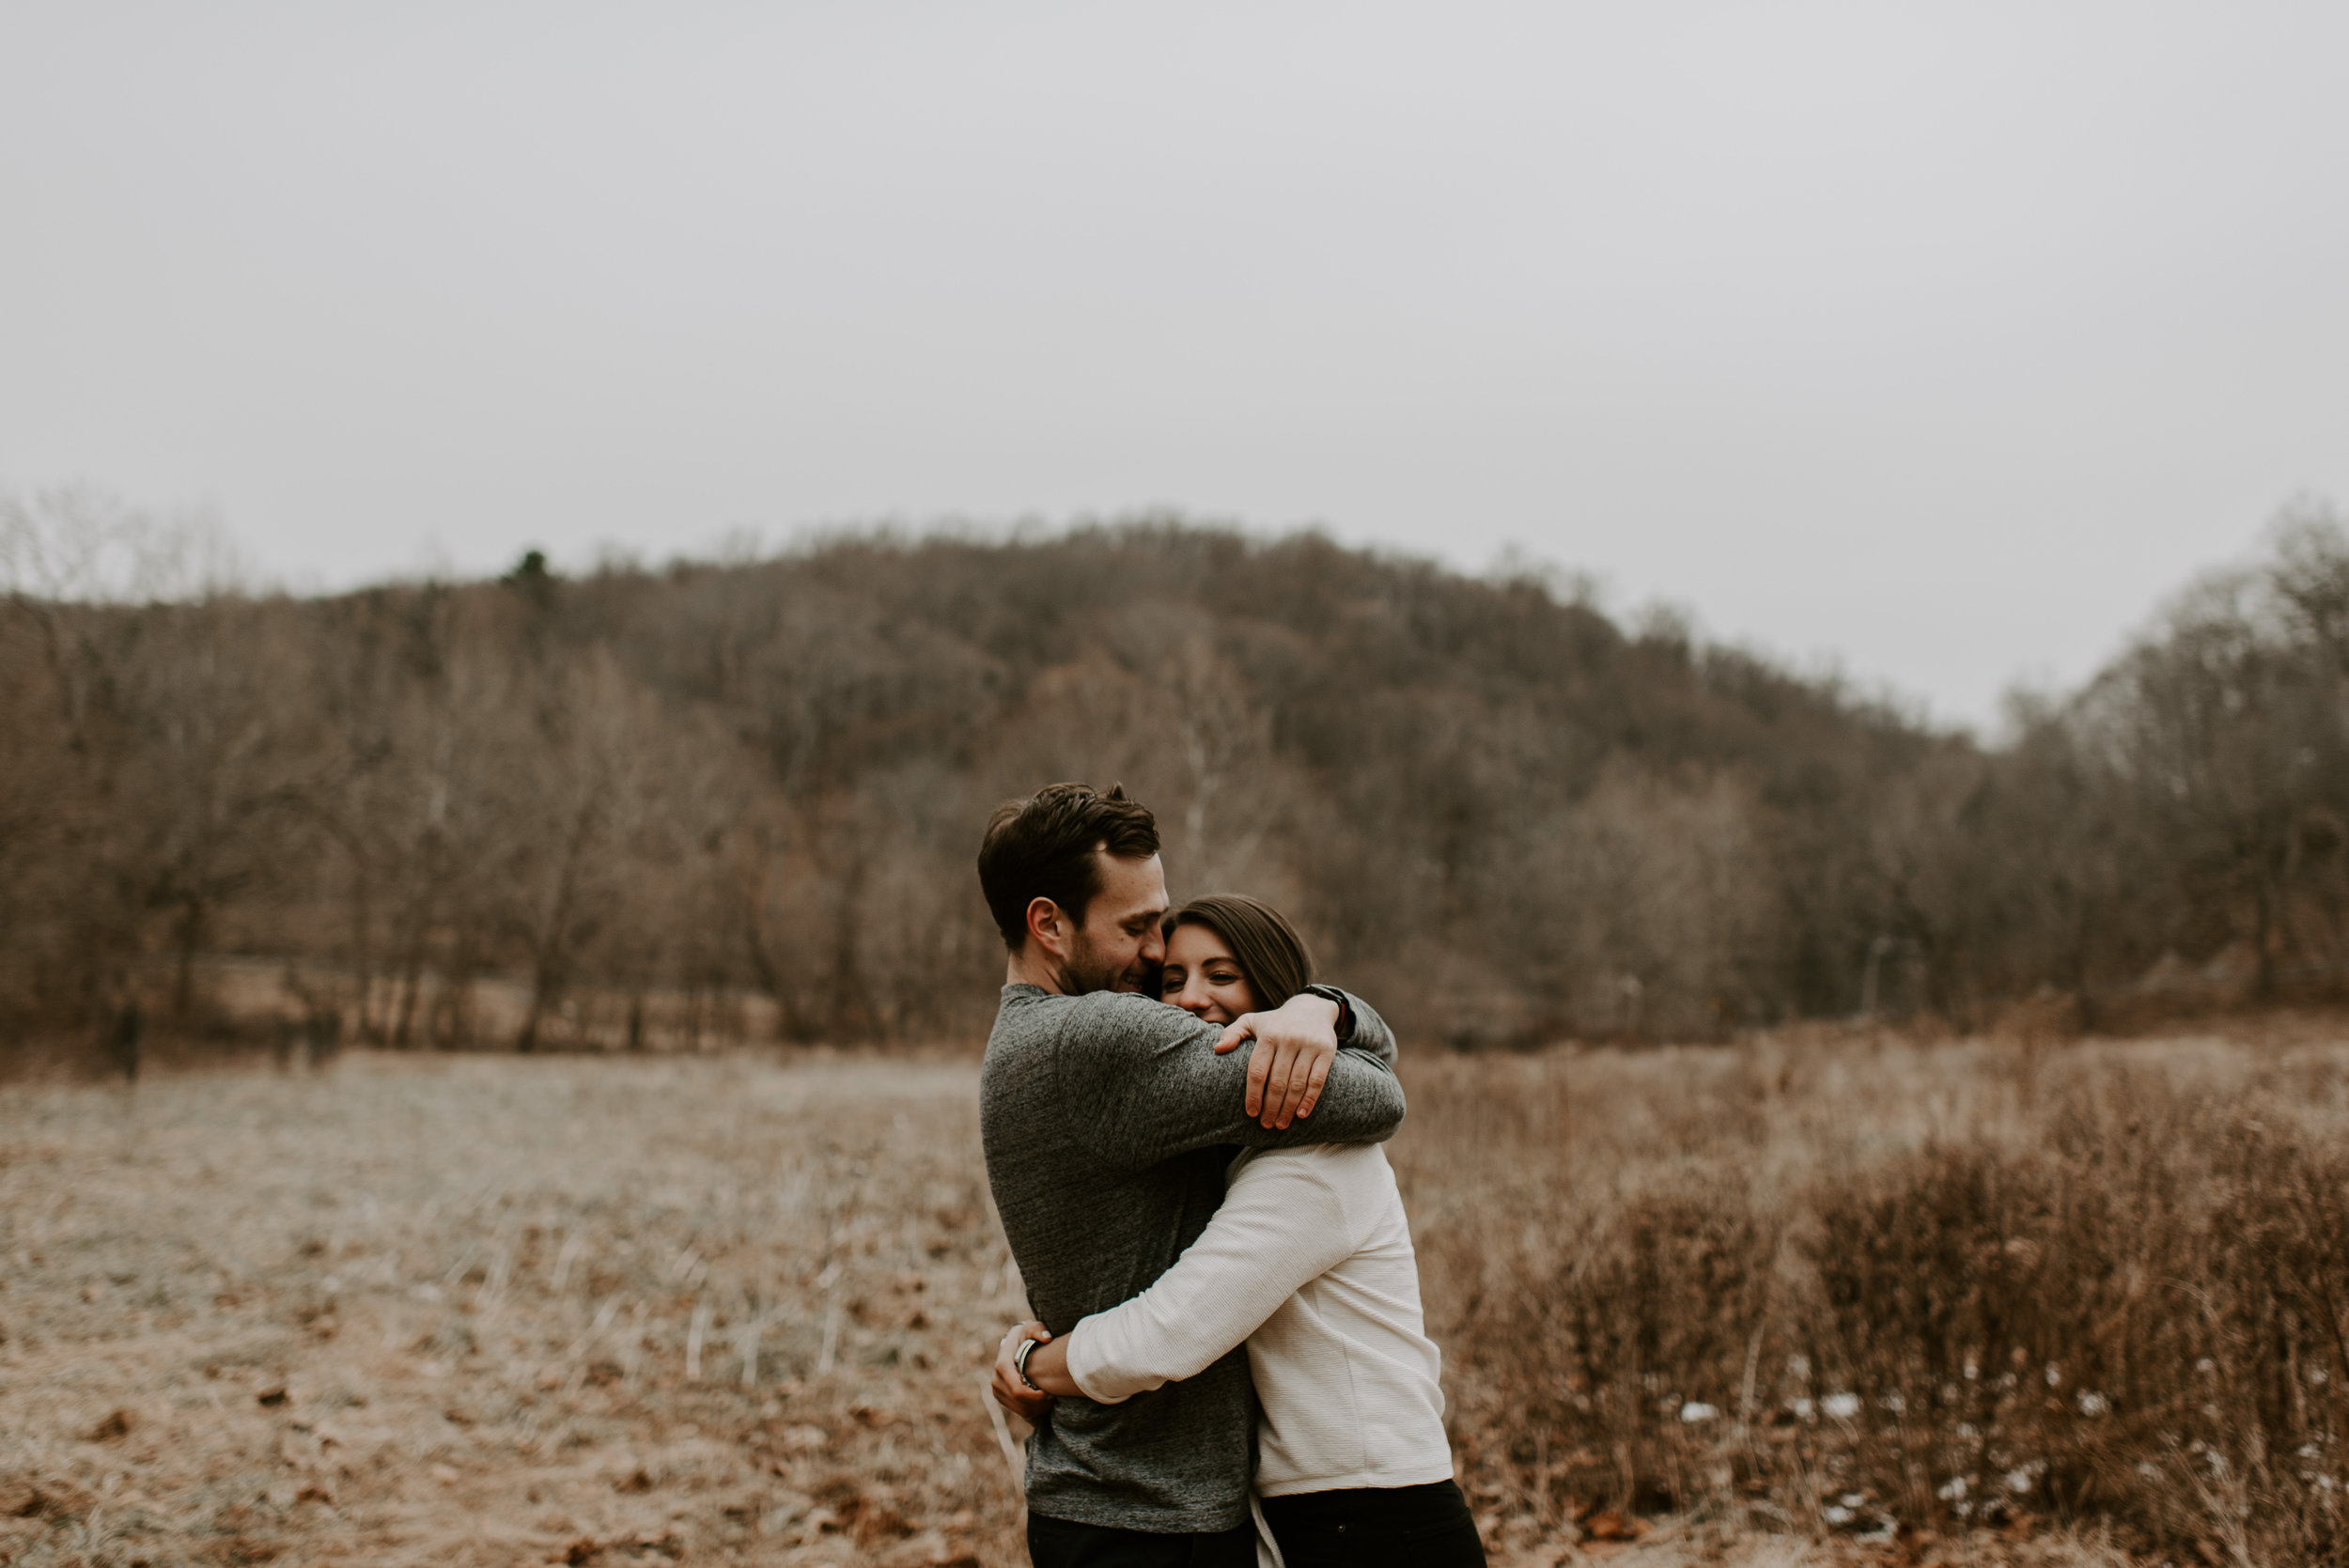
1503, 816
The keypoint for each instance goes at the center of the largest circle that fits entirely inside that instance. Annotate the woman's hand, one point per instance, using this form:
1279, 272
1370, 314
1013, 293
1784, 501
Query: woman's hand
1009, 1390
1295, 1045
1048, 1369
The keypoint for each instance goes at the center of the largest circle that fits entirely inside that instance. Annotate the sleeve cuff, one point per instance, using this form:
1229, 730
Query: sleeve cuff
1085, 1368
1345, 1010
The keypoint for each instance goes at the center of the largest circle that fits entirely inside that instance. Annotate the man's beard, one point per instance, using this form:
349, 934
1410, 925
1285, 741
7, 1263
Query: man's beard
1086, 972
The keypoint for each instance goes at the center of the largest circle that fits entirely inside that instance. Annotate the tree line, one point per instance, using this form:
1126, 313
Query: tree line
658, 804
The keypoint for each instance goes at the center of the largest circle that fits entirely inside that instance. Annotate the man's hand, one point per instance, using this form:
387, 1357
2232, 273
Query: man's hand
1010, 1393
1295, 1045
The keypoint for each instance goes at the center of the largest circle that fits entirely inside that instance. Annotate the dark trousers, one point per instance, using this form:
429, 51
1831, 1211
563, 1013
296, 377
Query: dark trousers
1063, 1544
1380, 1526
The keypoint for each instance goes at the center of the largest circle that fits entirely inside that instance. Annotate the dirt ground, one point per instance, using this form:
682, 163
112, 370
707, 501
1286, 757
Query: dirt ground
472, 1310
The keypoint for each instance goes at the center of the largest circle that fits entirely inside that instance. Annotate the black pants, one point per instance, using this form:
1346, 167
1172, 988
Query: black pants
1381, 1526
1061, 1544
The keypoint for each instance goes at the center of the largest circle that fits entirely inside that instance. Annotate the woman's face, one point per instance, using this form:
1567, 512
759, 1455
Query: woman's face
1202, 978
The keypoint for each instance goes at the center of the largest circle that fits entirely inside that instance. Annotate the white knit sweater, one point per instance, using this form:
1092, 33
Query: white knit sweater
1310, 1261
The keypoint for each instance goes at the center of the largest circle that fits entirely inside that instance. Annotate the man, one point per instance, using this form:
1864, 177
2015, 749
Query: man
1108, 1119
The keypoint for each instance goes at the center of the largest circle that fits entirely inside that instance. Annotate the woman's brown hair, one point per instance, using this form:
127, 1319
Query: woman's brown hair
1278, 962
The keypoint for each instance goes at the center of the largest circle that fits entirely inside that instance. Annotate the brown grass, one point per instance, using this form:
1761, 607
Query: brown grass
476, 1310
1883, 1289
441, 1311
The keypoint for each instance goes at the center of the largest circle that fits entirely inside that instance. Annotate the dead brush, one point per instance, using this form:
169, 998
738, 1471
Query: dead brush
488, 1310
1866, 1289
1635, 1330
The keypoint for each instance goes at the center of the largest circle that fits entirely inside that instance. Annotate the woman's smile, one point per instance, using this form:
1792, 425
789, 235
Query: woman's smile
1202, 978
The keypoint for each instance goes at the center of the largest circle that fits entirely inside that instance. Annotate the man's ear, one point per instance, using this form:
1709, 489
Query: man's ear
1048, 927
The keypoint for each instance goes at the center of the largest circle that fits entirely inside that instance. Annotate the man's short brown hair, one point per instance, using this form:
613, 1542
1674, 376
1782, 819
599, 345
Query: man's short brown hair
1044, 848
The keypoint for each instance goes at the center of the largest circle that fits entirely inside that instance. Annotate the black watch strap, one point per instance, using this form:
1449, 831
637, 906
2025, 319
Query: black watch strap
1345, 1009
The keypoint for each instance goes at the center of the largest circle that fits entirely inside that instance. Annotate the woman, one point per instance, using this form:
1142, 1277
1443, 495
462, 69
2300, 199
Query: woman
1310, 1261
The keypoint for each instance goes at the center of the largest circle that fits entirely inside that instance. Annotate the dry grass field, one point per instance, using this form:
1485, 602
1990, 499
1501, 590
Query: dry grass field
1799, 1301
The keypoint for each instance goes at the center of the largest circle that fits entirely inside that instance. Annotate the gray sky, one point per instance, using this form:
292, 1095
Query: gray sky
1943, 341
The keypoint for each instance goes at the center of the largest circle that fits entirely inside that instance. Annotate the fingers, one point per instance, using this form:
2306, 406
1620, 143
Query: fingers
1005, 1377
1283, 1067
1000, 1385
1320, 1076
1286, 1075
1014, 1396
1025, 1404
1298, 1071
1293, 1089
1005, 1372
1259, 1066
1273, 1054
1007, 1385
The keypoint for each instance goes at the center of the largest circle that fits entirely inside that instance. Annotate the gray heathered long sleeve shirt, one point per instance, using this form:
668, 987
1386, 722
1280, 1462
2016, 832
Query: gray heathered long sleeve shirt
1108, 1120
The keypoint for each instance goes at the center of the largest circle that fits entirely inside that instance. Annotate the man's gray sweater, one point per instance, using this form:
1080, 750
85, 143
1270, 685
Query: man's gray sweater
1108, 1121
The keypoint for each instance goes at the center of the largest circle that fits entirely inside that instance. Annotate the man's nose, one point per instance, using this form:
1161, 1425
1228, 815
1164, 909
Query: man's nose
1154, 947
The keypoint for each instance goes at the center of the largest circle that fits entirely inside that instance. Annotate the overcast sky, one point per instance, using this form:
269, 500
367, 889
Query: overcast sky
1939, 340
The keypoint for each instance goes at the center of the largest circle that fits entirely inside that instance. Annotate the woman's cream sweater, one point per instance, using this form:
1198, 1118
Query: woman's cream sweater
1310, 1261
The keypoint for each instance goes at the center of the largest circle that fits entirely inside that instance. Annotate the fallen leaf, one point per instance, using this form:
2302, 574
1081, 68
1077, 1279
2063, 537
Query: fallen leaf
1608, 1525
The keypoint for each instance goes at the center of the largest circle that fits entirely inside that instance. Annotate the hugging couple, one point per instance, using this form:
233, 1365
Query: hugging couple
1211, 1236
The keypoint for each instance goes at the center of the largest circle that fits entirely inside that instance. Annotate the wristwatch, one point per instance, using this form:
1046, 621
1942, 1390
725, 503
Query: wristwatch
1020, 1362
1345, 1009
